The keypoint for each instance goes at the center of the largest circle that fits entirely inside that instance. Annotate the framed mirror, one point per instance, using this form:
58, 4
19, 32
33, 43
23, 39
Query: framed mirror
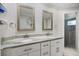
26, 21
47, 21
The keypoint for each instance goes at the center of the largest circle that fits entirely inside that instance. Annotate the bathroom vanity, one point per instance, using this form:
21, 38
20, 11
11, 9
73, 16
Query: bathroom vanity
42, 46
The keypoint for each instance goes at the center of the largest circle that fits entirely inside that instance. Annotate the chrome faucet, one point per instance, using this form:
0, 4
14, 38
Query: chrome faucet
26, 36
48, 33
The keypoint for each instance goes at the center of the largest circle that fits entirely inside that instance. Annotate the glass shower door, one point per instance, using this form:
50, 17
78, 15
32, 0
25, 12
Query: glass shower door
70, 33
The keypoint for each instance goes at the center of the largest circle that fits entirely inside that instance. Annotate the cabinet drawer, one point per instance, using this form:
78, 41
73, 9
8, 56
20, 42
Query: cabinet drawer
34, 53
45, 44
33, 47
45, 52
53, 51
56, 51
14, 51
57, 42
23, 54
21, 50
57, 47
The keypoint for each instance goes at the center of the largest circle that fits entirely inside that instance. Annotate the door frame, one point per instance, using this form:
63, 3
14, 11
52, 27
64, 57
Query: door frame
76, 42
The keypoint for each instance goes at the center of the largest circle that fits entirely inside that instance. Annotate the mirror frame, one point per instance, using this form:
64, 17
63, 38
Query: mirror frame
44, 11
18, 20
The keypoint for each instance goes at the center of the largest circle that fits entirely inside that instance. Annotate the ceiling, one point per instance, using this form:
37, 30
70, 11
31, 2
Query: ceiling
63, 5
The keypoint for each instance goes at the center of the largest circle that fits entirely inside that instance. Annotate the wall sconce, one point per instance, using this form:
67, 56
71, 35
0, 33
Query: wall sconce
2, 22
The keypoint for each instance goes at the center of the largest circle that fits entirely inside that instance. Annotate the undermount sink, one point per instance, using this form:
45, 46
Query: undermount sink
42, 37
39, 37
19, 40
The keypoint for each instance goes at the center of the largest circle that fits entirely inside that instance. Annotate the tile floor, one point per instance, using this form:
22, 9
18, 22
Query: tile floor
70, 52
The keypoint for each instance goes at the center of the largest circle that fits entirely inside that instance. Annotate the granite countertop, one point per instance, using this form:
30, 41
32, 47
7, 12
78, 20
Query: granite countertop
30, 40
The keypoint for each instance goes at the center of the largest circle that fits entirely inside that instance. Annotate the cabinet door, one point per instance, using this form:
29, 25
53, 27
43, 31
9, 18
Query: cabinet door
23, 54
59, 51
34, 53
45, 48
53, 51
32, 48
56, 51
45, 44
56, 42
57, 47
14, 51
22, 50
45, 52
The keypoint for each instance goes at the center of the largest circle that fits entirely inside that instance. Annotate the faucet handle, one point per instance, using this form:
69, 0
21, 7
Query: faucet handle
48, 33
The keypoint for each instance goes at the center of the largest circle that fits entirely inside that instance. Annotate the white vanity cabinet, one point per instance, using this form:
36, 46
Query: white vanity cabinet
57, 47
45, 48
23, 50
53, 47
35, 50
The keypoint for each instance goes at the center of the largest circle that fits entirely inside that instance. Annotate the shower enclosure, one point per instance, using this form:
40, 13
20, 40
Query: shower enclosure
70, 31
